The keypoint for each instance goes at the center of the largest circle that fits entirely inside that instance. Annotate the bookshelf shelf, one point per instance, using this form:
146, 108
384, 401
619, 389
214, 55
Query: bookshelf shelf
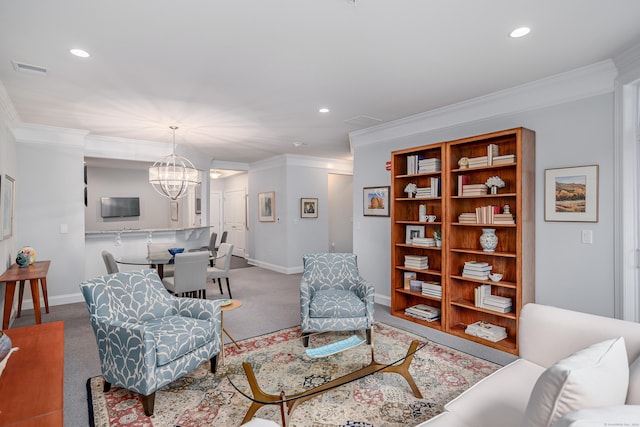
514, 254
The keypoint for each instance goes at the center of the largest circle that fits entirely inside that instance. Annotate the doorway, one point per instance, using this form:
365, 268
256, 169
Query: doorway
340, 191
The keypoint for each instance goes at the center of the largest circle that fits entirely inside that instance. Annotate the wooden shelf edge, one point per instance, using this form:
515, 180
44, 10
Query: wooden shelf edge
470, 306
416, 175
479, 168
433, 272
481, 252
507, 345
503, 284
436, 324
484, 225
486, 196
418, 294
407, 245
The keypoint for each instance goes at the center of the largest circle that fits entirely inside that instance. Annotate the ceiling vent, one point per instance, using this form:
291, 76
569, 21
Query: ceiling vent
31, 69
361, 122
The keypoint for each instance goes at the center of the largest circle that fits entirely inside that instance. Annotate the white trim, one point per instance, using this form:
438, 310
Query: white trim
333, 165
273, 267
48, 135
7, 110
27, 304
592, 80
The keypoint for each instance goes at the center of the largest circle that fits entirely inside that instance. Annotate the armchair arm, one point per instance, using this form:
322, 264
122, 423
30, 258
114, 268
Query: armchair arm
199, 308
366, 292
127, 355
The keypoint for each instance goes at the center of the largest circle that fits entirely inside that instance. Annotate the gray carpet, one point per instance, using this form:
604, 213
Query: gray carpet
270, 303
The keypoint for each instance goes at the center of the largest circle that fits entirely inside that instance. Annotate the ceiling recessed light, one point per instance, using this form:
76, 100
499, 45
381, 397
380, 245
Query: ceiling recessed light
79, 52
323, 110
520, 32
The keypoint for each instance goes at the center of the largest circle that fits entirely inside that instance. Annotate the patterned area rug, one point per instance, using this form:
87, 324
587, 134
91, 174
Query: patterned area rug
204, 399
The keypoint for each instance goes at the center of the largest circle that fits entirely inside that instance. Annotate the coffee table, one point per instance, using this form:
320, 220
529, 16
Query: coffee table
365, 364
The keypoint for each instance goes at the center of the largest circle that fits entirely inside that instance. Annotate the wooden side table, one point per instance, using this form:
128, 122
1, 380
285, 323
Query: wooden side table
235, 303
33, 273
32, 383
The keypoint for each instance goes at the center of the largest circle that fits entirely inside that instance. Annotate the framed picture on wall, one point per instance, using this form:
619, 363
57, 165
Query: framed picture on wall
308, 207
571, 194
8, 197
267, 206
376, 201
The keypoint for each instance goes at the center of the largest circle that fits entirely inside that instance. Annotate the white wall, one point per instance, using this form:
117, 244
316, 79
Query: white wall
340, 207
574, 127
121, 182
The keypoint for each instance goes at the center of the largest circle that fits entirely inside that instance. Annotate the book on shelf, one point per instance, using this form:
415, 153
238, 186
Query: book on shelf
474, 275
486, 214
417, 262
462, 181
484, 299
432, 289
423, 312
429, 165
486, 330
467, 218
492, 151
474, 190
477, 268
415, 285
408, 277
475, 162
423, 241
504, 159
503, 218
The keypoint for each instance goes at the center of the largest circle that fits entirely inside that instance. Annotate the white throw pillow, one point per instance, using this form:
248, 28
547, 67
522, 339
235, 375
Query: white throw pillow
595, 376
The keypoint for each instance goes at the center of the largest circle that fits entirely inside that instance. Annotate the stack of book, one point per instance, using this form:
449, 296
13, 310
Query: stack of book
416, 261
476, 162
486, 214
432, 289
423, 193
423, 312
476, 270
474, 190
484, 299
504, 160
426, 192
487, 331
467, 218
412, 164
423, 241
429, 165
503, 218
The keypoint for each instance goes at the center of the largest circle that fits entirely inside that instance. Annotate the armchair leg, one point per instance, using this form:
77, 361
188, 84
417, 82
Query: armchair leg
214, 363
106, 387
305, 339
369, 336
148, 402
228, 288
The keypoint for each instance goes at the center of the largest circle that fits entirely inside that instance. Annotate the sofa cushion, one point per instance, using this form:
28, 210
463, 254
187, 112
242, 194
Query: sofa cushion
633, 394
618, 415
499, 399
176, 336
595, 376
336, 303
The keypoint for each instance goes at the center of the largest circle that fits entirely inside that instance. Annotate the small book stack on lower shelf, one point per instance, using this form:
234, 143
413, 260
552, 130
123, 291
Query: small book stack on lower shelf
487, 331
432, 289
417, 262
423, 312
476, 270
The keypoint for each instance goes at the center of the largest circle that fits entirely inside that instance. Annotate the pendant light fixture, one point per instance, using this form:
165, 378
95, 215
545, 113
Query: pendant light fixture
173, 175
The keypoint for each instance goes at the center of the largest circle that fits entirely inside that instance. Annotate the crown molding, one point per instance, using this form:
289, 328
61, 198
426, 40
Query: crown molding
286, 160
49, 135
628, 65
584, 82
8, 113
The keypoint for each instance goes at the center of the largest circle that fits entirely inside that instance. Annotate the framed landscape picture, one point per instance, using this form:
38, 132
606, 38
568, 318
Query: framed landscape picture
267, 206
571, 194
308, 207
376, 201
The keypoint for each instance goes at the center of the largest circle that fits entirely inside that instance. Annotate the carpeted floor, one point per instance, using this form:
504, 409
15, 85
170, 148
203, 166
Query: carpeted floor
280, 363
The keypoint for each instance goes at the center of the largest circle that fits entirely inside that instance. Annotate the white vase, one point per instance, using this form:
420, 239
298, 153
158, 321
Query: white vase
488, 239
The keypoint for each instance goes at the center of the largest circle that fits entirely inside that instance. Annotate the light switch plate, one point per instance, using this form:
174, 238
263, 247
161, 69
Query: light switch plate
587, 236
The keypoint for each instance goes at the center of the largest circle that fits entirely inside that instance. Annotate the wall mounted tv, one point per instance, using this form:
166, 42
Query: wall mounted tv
119, 207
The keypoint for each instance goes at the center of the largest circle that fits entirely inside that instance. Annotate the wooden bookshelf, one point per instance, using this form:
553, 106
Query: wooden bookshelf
514, 257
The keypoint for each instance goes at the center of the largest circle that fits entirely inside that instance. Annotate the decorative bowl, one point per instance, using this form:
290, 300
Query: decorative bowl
496, 277
174, 251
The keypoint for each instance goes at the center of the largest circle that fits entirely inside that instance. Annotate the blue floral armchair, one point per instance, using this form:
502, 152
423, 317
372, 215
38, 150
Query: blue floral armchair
333, 296
146, 337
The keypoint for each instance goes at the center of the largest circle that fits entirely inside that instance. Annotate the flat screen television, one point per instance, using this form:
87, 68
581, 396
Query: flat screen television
119, 207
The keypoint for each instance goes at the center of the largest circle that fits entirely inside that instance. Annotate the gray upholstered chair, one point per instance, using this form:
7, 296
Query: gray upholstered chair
221, 268
146, 337
162, 249
109, 262
189, 276
333, 296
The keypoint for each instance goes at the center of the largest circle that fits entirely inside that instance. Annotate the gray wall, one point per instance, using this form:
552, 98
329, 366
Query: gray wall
340, 213
568, 273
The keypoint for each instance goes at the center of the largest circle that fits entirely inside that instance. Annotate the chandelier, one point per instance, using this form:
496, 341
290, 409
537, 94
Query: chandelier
173, 175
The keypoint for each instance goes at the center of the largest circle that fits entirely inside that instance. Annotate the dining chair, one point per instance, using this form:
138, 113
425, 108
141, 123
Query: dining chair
162, 249
222, 264
189, 276
110, 262
211, 248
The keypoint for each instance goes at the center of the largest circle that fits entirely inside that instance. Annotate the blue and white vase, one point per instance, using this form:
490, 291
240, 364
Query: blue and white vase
488, 239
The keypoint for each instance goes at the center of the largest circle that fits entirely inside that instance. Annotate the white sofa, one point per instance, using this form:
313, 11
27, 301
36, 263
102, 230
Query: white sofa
547, 335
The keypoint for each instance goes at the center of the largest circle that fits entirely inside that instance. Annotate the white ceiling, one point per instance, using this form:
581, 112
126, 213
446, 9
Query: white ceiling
244, 79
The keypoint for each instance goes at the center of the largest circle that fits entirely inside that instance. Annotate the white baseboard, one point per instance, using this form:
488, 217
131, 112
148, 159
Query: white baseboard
27, 304
276, 268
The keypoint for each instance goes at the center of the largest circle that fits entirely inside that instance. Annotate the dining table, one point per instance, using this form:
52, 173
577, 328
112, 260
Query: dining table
156, 261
